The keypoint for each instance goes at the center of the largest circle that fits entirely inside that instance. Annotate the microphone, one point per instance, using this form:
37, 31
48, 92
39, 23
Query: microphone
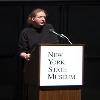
60, 35
51, 30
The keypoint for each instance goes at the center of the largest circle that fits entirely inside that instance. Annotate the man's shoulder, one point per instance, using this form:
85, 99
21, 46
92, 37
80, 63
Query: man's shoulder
26, 29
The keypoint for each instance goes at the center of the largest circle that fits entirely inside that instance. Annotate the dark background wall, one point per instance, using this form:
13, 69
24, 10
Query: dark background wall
79, 20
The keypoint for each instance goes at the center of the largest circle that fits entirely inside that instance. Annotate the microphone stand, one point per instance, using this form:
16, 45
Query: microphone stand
61, 35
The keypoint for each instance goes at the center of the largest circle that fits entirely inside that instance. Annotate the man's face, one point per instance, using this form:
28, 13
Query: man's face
39, 19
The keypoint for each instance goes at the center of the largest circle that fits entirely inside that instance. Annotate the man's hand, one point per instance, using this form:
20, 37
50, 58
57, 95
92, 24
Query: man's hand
26, 56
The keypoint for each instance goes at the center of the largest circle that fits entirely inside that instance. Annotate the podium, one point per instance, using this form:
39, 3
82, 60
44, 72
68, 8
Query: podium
58, 71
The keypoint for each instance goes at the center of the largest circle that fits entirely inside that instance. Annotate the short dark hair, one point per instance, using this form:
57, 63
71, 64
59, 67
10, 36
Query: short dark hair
33, 14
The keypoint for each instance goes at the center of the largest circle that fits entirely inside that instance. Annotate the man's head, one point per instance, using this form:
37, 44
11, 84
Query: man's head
37, 17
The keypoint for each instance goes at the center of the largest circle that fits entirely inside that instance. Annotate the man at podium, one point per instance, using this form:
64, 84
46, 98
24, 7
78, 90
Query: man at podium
36, 32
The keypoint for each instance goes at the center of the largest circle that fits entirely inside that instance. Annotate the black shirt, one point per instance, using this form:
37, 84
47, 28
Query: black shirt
31, 37
29, 40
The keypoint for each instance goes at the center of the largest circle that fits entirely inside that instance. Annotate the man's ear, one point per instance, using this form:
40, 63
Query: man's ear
32, 18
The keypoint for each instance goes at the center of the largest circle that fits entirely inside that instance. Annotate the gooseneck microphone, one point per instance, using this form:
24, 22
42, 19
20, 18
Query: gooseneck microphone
60, 35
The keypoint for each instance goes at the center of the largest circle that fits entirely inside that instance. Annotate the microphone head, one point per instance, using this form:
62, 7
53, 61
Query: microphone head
51, 30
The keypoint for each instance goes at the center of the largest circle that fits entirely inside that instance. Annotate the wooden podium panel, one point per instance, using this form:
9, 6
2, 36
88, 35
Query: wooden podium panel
68, 94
